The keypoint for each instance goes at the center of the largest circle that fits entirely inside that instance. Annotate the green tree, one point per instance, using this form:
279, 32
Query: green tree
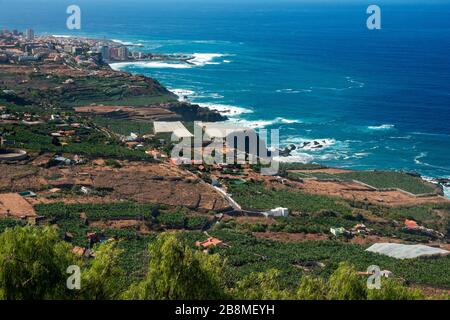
175, 271
312, 289
345, 284
392, 289
261, 286
33, 264
102, 280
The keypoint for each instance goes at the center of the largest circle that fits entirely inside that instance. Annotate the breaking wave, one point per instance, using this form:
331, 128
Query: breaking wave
198, 60
127, 43
224, 109
382, 127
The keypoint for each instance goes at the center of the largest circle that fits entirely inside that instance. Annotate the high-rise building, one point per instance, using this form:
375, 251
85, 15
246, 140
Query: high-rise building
77, 50
68, 49
29, 34
113, 53
137, 55
104, 50
123, 53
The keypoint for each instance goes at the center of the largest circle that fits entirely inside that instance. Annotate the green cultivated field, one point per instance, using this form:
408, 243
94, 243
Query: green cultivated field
68, 218
124, 127
93, 144
247, 254
97, 211
255, 196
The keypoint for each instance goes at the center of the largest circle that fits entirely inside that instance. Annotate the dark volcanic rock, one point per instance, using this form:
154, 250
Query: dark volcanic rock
193, 112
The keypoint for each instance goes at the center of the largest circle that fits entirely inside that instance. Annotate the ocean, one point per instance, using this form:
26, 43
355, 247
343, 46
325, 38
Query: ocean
376, 99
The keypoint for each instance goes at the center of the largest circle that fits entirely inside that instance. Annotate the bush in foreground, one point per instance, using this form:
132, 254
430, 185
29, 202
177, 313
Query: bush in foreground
33, 264
177, 272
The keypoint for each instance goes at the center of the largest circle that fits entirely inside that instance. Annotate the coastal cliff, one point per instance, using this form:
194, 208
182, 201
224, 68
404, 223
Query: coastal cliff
58, 85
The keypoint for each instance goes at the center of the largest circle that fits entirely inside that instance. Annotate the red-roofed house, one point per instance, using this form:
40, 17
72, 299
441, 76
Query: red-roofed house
210, 242
411, 224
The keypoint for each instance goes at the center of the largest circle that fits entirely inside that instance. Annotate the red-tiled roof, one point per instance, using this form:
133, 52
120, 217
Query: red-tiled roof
209, 242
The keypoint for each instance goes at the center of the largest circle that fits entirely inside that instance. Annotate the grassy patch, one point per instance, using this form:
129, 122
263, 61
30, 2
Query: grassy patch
124, 127
118, 210
93, 143
256, 196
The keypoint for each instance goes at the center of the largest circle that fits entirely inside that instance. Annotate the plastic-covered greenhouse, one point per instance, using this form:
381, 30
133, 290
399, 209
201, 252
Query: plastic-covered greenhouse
403, 251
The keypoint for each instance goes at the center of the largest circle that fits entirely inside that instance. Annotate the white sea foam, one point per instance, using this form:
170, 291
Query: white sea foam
316, 144
420, 156
198, 60
288, 121
212, 95
431, 134
402, 137
353, 84
298, 157
360, 155
433, 180
127, 43
446, 191
224, 109
382, 127
186, 92
289, 90
61, 36
149, 64
182, 93
263, 123
202, 59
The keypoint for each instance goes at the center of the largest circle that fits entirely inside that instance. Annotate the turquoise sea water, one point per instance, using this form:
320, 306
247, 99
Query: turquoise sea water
380, 99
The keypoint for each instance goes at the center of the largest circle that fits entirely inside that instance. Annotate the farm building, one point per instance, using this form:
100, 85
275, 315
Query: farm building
338, 231
210, 242
277, 212
411, 224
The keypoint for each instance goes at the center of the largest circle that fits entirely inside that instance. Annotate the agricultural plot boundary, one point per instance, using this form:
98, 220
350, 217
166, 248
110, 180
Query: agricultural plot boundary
372, 188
